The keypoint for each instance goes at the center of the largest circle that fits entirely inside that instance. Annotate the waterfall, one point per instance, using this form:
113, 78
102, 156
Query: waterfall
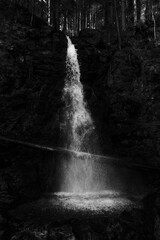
77, 118
79, 132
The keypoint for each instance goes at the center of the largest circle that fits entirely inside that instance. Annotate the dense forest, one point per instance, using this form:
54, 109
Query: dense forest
71, 16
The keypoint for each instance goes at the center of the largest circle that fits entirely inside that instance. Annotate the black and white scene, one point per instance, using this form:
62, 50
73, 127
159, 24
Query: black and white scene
79, 119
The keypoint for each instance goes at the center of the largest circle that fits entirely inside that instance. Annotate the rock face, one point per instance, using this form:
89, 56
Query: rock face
121, 88
32, 63
32, 72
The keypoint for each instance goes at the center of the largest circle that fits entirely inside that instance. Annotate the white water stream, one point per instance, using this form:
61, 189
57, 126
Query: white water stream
79, 173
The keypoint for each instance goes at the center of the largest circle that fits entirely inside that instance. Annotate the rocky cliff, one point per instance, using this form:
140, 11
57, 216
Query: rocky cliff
32, 71
122, 89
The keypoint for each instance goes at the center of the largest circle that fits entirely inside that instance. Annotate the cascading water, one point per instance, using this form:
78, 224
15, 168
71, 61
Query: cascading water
79, 172
78, 120
79, 176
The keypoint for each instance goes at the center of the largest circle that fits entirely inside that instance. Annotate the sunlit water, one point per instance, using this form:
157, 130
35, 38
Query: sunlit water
78, 121
98, 202
77, 173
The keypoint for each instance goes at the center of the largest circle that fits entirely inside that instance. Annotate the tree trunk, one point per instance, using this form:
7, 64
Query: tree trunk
78, 10
123, 15
42, 9
117, 25
32, 12
65, 22
154, 21
55, 15
143, 10
108, 18
51, 12
106, 6
78, 21
48, 11
83, 15
135, 12
131, 11
138, 2
89, 14
149, 8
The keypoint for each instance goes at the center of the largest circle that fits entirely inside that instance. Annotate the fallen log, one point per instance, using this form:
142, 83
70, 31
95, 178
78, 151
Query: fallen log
108, 160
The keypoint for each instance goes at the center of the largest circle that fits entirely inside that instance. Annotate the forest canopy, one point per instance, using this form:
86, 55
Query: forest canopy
72, 16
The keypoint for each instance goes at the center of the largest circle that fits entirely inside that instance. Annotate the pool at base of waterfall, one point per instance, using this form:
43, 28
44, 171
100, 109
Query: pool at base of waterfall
93, 202
61, 205
89, 216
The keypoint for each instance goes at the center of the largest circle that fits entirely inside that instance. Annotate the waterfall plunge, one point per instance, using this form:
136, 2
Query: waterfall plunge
79, 173
82, 174
77, 118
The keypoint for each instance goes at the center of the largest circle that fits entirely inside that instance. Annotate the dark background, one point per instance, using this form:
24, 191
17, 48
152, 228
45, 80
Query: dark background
119, 55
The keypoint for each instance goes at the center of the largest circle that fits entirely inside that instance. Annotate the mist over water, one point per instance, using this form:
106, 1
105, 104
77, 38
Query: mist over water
79, 173
82, 169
